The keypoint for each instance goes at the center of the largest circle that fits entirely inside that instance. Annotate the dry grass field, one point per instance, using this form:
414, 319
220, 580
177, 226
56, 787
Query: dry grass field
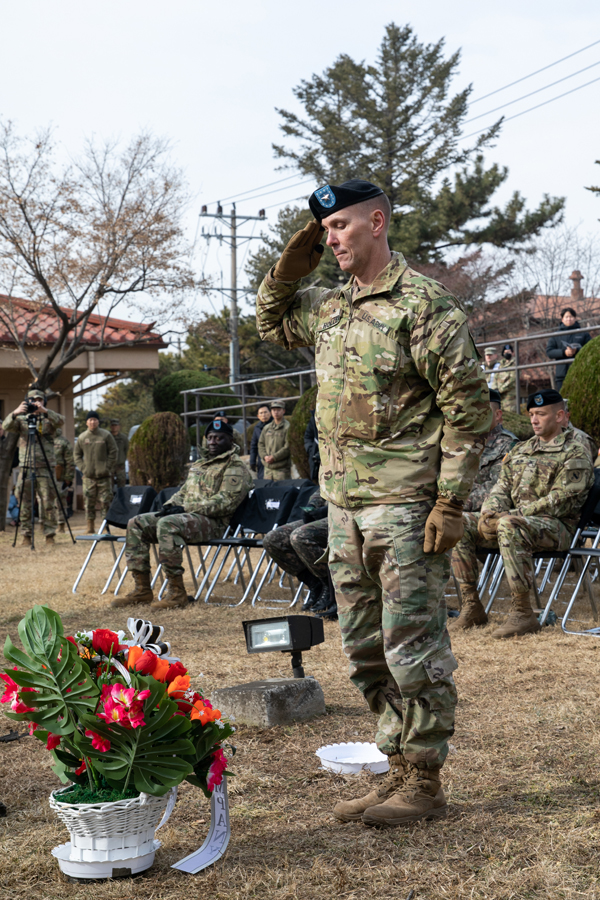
522, 776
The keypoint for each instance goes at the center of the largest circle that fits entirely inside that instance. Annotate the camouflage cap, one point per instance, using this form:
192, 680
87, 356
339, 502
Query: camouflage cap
115, 421
331, 198
36, 395
277, 404
490, 350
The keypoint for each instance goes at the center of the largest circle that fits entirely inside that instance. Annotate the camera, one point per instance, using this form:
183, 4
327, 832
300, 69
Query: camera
32, 407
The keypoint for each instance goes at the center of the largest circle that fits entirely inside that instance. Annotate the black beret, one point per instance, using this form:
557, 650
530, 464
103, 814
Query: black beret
495, 396
331, 198
543, 398
219, 425
92, 415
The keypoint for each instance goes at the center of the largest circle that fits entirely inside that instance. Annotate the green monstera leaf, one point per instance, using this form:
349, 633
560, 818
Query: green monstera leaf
154, 756
52, 667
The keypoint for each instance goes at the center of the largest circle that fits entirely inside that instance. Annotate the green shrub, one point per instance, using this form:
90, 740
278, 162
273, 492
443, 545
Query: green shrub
159, 452
518, 424
167, 396
298, 422
582, 387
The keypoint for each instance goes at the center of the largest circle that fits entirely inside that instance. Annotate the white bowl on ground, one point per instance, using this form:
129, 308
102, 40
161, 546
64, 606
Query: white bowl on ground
353, 758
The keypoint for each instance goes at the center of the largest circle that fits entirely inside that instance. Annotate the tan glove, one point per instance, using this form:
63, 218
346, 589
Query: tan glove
302, 254
444, 526
487, 525
59, 472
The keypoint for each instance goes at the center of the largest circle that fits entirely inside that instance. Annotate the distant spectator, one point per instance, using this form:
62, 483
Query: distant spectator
568, 346
274, 445
256, 463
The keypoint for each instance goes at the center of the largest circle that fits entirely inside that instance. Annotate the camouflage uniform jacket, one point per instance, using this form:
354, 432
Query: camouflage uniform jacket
63, 452
122, 447
274, 441
402, 408
46, 426
96, 453
499, 443
585, 440
215, 486
542, 478
505, 384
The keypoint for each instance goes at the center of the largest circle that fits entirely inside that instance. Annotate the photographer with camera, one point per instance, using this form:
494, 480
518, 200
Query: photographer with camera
46, 424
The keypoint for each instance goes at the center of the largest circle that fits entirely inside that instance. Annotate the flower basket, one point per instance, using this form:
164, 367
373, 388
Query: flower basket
111, 839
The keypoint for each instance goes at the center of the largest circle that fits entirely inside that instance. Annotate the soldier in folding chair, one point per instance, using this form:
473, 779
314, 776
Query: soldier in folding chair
535, 505
200, 511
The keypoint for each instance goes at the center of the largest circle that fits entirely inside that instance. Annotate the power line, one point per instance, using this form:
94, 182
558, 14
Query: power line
537, 91
537, 72
538, 105
251, 191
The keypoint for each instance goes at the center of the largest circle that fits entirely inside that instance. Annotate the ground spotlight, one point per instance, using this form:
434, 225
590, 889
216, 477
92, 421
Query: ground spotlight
288, 634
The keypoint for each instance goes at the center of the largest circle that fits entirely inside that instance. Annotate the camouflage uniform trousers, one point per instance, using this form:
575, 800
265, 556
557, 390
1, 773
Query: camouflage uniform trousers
171, 533
97, 490
297, 546
120, 476
517, 538
392, 615
46, 498
277, 474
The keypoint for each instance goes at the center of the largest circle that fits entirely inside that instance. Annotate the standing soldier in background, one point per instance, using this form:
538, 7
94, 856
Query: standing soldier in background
274, 445
122, 442
498, 379
96, 455
263, 414
65, 473
499, 443
402, 415
48, 422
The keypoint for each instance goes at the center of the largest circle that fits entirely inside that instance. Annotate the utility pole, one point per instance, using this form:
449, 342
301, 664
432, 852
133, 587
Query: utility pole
233, 239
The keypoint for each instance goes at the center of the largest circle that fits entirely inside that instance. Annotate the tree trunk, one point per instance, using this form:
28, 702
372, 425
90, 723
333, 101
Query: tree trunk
7, 451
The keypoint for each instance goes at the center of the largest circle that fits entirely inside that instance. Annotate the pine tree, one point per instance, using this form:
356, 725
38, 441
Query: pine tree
396, 123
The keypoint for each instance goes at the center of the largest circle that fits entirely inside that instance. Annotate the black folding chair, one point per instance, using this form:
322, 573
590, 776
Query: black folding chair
129, 501
263, 509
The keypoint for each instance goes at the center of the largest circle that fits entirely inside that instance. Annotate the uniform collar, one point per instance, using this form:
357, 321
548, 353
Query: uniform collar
552, 446
385, 281
495, 431
208, 460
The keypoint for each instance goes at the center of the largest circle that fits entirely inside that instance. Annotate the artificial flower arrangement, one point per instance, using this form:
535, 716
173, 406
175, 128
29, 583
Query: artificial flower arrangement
118, 719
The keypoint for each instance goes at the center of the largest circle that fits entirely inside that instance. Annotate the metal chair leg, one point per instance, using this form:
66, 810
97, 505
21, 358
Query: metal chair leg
115, 567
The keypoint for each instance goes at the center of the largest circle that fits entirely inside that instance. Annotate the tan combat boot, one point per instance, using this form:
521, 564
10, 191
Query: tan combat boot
91, 526
26, 542
420, 797
142, 592
472, 612
521, 619
49, 540
175, 595
61, 528
352, 810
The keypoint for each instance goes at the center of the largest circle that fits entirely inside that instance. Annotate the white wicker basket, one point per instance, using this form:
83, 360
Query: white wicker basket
105, 832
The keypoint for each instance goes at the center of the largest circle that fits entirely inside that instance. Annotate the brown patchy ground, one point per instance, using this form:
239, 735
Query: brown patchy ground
522, 777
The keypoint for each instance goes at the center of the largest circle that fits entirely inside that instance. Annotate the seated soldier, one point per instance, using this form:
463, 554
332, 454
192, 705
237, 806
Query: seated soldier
297, 548
535, 505
498, 444
216, 485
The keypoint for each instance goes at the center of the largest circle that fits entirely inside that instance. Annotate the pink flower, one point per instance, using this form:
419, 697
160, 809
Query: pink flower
81, 768
33, 726
98, 742
53, 741
217, 767
11, 695
122, 705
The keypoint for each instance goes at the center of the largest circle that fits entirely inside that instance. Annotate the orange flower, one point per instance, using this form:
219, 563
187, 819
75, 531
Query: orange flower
204, 713
133, 656
181, 683
161, 669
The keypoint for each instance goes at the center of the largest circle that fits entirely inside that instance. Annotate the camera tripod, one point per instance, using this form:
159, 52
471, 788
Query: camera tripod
33, 435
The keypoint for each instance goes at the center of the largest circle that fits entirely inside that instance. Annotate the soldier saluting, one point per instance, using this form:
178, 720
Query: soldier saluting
402, 414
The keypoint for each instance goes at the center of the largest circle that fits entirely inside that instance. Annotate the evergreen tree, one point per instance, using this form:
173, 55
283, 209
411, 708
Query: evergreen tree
397, 124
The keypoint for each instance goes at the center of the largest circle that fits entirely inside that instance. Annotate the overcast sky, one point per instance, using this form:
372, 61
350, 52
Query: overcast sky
209, 76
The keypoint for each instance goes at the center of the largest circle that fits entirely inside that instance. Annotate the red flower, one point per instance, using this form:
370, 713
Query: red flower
81, 768
105, 642
146, 664
175, 669
73, 641
98, 742
11, 695
217, 767
53, 741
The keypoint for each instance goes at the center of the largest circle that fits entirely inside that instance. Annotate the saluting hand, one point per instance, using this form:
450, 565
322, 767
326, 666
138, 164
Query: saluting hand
302, 254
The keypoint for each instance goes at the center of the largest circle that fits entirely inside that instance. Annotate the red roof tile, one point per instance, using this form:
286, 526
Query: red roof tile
44, 326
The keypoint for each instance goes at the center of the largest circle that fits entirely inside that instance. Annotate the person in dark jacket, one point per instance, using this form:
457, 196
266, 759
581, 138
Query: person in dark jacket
568, 346
311, 445
256, 463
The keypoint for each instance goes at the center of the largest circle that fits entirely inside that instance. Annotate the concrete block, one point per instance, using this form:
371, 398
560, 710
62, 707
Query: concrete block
275, 701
